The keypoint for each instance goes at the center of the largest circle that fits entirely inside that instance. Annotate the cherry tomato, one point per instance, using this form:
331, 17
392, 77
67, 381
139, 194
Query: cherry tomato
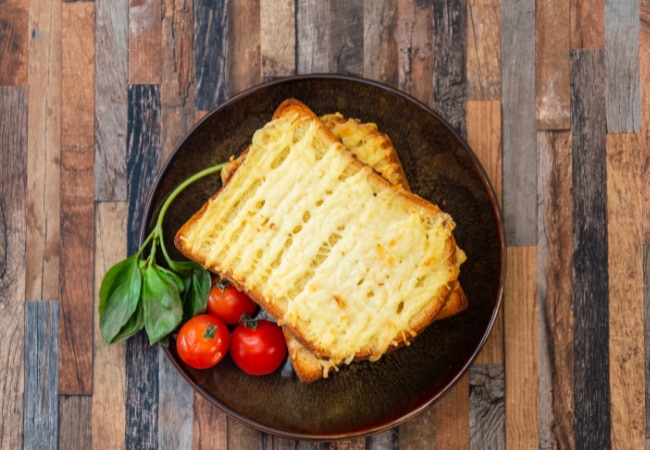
228, 303
203, 341
258, 346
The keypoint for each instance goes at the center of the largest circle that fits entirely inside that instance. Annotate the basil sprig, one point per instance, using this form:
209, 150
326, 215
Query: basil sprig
138, 293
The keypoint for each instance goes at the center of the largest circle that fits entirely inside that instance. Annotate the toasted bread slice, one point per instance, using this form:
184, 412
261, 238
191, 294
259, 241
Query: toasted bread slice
351, 265
374, 148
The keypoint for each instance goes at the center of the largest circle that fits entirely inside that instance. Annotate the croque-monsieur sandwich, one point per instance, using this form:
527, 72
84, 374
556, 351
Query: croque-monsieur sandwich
350, 264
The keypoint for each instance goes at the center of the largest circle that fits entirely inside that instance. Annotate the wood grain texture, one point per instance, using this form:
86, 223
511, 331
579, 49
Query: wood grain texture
587, 24
43, 152
112, 74
386, 440
484, 138
346, 37
554, 283
109, 379
278, 38
553, 42
486, 406
313, 31
210, 53
242, 436
622, 53
13, 166
14, 43
521, 366
625, 256
74, 429
41, 374
144, 157
589, 218
244, 58
380, 51
210, 426
484, 49
646, 334
145, 42
644, 76
452, 416
449, 61
175, 418
518, 106
419, 432
415, 42
77, 195
349, 444
177, 86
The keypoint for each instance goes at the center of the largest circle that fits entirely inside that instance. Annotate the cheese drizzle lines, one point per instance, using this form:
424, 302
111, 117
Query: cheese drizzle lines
138, 293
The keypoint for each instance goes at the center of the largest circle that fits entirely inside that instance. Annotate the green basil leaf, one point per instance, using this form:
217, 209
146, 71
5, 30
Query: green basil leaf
119, 293
197, 289
163, 307
135, 324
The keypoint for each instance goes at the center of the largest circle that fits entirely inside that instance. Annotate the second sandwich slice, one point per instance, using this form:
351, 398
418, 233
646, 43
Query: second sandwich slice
350, 264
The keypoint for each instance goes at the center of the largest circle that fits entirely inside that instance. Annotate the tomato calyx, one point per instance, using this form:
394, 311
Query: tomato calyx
222, 284
210, 331
249, 322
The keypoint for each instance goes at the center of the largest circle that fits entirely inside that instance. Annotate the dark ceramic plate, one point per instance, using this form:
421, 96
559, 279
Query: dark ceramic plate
363, 398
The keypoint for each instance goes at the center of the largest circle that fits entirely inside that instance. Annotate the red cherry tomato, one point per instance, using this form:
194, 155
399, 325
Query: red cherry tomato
258, 346
228, 303
203, 341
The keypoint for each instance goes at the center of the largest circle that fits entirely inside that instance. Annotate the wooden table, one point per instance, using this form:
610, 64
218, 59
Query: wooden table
552, 95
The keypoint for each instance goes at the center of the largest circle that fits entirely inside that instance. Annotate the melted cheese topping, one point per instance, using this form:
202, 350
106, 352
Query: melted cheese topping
348, 263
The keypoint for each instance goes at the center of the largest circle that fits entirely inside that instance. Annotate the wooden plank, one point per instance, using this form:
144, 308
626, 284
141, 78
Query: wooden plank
587, 24
644, 71
177, 87
77, 195
175, 416
109, 366
519, 138
554, 263
313, 52
210, 53
278, 38
449, 62
484, 49
145, 42
14, 42
143, 163
112, 74
452, 417
210, 424
419, 432
44, 152
625, 261
521, 369
590, 282
622, 53
13, 151
380, 51
646, 334
486, 406
484, 138
74, 416
415, 42
553, 41
244, 58
346, 37
41, 374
